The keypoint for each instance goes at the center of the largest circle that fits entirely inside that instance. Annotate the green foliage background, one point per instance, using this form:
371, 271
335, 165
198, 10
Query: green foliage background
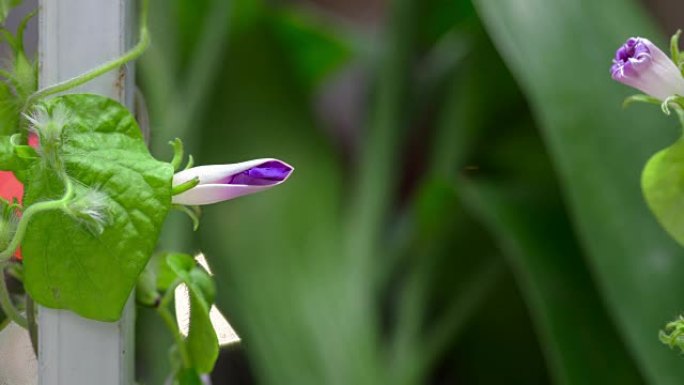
478, 219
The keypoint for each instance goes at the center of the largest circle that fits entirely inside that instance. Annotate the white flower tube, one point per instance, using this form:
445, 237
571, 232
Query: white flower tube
218, 183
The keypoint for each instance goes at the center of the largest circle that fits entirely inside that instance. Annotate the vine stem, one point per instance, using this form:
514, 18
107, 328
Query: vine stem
76, 81
6, 301
32, 210
171, 323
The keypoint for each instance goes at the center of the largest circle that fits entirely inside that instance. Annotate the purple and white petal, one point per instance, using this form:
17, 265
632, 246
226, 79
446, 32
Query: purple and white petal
642, 65
218, 183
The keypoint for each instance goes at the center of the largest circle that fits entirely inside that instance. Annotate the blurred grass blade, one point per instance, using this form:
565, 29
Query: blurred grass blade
579, 339
560, 52
315, 47
377, 174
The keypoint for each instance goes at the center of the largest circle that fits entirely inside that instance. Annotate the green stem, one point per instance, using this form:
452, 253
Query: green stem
76, 81
172, 325
6, 301
185, 186
26, 216
170, 321
192, 212
169, 294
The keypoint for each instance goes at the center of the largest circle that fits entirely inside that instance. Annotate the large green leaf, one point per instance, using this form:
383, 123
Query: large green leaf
68, 263
574, 328
560, 52
663, 185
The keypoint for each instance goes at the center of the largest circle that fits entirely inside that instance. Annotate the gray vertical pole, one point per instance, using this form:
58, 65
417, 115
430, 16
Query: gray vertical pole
75, 36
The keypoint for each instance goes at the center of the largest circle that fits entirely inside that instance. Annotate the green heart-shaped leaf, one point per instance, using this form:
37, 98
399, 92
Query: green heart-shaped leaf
663, 184
69, 266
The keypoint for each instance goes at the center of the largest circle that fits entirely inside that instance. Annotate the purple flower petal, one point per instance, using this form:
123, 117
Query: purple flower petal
222, 182
642, 65
268, 173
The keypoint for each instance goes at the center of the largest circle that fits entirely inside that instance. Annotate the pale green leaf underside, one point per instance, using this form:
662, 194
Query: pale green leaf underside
663, 185
202, 342
67, 265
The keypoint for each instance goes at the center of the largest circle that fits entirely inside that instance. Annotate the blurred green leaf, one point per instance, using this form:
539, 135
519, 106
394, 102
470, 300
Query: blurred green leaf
9, 110
146, 289
204, 283
438, 17
164, 273
579, 338
202, 341
447, 271
663, 184
560, 53
490, 353
190, 20
6, 6
188, 377
181, 264
523, 212
315, 48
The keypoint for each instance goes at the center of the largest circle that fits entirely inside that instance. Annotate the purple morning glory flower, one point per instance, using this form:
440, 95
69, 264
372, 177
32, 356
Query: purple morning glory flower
642, 65
218, 183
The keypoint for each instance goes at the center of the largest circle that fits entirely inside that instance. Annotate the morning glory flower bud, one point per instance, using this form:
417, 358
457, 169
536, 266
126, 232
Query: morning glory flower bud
642, 65
218, 183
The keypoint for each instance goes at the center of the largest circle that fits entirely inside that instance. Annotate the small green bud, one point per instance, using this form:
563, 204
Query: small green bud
673, 335
49, 126
146, 290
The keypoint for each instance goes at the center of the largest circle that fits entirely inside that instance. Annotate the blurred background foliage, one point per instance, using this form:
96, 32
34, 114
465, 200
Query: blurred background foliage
465, 207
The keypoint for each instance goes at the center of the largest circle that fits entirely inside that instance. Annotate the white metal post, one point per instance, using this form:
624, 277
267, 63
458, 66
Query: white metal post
75, 36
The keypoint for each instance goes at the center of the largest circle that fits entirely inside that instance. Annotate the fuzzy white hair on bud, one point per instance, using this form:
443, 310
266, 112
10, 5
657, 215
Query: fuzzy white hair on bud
49, 125
91, 208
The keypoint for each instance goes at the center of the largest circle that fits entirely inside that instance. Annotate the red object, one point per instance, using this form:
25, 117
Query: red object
11, 188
